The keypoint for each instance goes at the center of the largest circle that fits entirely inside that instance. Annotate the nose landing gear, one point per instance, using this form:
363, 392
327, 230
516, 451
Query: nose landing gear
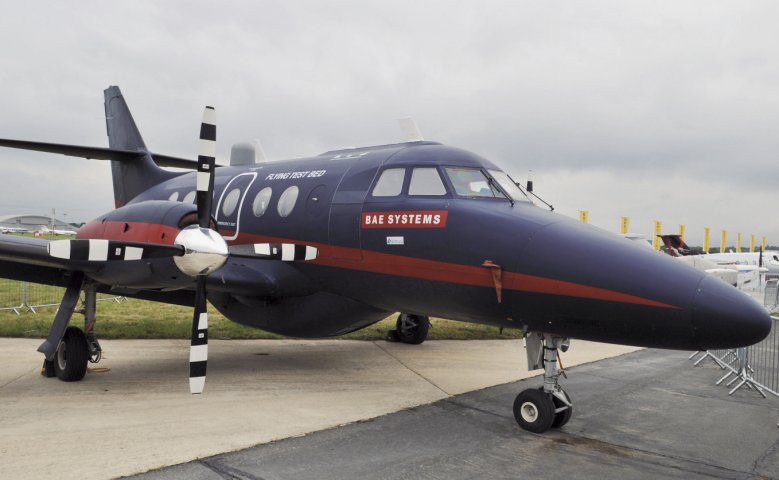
538, 410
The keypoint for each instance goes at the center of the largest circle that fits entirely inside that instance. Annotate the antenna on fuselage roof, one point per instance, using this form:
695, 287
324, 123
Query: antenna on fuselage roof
246, 153
409, 129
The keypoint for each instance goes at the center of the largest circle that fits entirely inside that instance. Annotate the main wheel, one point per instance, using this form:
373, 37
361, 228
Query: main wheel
534, 410
561, 418
70, 362
412, 329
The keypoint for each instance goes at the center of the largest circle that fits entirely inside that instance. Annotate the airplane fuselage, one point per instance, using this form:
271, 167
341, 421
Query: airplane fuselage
425, 249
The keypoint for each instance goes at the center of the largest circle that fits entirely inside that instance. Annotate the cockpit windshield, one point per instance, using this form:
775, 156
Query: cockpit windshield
508, 186
472, 182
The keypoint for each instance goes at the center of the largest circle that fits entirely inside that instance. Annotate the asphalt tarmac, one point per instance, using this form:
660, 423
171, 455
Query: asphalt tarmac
643, 415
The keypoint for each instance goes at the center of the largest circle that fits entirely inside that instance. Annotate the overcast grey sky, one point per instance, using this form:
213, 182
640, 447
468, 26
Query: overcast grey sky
662, 110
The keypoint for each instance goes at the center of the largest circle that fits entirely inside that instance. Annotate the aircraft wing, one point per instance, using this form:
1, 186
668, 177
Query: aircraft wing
28, 259
97, 153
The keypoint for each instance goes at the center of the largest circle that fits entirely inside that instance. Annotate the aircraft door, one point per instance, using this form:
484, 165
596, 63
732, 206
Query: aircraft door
346, 208
228, 209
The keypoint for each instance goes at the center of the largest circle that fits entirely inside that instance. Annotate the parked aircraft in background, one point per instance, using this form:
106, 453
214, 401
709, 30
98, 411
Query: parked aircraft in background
733, 273
327, 245
56, 231
13, 230
639, 239
744, 262
748, 261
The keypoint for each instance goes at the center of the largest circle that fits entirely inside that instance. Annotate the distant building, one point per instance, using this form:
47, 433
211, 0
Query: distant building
33, 222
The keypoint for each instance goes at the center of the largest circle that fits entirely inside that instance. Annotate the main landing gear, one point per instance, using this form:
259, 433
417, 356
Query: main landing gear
69, 349
411, 329
538, 410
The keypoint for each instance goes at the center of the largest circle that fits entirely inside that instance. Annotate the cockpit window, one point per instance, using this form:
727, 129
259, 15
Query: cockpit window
472, 182
390, 183
508, 186
426, 181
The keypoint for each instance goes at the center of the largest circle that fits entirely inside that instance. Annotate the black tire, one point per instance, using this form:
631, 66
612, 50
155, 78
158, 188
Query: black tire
48, 369
534, 410
70, 361
412, 329
561, 418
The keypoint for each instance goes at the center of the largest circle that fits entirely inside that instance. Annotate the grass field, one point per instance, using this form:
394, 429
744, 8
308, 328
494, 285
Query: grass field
141, 319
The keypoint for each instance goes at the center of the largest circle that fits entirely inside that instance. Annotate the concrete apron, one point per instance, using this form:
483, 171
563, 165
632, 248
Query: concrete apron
140, 415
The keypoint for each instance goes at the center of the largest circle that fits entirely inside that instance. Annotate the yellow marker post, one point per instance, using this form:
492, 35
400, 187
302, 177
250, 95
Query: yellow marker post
752, 243
763, 244
723, 242
738, 242
584, 216
706, 238
624, 225
658, 231
681, 231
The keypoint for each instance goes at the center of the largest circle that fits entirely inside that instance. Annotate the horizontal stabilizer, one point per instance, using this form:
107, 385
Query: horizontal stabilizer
98, 153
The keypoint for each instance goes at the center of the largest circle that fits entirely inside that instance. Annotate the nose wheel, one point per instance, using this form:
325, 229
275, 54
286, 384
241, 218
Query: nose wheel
539, 409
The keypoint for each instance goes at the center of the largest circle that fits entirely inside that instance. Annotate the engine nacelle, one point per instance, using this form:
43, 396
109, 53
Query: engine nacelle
153, 221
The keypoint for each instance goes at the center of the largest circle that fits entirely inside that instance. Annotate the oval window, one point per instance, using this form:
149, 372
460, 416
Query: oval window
231, 201
261, 201
189, 198
174, 196
287, 201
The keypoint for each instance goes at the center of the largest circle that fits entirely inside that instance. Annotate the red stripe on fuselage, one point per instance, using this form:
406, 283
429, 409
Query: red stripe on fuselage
129, 232
375, 262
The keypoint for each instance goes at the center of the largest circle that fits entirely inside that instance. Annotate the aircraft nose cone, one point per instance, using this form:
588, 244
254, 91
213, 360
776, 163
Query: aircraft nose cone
724, 317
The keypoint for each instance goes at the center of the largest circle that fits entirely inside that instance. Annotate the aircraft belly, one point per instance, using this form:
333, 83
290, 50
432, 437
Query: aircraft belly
321, 314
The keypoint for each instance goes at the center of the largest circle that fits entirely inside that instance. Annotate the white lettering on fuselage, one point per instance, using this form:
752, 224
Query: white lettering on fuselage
296, 175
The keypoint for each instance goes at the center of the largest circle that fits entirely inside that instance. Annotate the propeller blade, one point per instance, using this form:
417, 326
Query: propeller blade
286, 252
110, 250
198, 350
206, 160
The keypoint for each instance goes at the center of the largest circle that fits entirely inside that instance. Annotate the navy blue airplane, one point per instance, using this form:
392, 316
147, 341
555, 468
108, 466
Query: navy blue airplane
322, 246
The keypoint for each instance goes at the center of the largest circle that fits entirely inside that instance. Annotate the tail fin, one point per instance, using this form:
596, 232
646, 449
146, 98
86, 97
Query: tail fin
133, 167
675, 246
130, 177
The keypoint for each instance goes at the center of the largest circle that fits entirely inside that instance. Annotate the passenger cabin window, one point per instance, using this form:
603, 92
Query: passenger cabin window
390, 183
261, 201
287, 201
189, 197
174, 196
426, 181
231, 201
471, 182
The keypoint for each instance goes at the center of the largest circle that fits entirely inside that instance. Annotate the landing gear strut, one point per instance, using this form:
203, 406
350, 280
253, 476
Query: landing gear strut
538, 410
74, 348
411, 329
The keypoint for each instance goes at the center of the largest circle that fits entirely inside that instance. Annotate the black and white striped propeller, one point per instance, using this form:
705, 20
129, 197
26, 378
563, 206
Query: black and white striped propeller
206, 161
197, 251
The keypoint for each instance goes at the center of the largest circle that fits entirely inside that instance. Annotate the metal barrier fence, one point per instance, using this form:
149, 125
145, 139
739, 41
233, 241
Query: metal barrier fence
771, 295
755, 367
21, 297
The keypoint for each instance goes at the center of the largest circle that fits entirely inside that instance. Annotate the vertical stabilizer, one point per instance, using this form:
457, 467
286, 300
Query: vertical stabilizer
130, 177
